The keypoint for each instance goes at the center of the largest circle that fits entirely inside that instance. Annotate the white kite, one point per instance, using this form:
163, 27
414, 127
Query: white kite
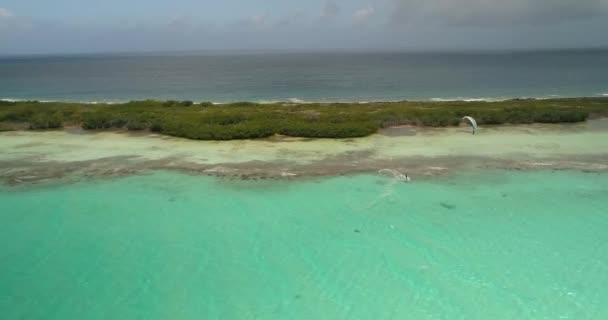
472, 122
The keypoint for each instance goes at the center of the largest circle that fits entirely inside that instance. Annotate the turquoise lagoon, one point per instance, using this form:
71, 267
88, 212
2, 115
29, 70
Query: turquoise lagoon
485, 244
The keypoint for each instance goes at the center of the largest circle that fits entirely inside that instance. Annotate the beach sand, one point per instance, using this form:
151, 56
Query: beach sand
30, 156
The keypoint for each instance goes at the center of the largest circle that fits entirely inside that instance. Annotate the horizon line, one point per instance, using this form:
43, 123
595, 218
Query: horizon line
305, 50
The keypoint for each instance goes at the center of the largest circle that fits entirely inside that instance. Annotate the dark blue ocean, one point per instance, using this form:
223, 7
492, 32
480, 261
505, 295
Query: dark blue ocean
330, 76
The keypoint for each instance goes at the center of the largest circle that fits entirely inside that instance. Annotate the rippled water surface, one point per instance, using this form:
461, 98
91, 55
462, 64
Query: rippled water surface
482, 245
337, 76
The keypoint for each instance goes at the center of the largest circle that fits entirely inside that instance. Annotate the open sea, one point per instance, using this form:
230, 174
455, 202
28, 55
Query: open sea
338, 76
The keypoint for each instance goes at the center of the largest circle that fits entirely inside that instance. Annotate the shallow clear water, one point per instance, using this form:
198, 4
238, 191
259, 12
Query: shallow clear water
522, 142
306, 76
483, 245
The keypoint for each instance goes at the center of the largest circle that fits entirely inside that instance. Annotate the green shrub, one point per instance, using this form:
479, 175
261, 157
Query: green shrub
242, 104
136, 125
7, 103
519, 116
244, 120
200, 130
156, 126
46, 120
170, 103
102, 120
223, 119
494, 117
329, 130
561, 116
174, 103
19, 115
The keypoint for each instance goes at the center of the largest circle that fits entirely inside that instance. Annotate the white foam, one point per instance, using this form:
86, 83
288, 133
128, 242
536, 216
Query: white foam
20, 100
302, 101
68, 101
495, 99
289, 100
261, 102
468, 99
396, 174
295, 100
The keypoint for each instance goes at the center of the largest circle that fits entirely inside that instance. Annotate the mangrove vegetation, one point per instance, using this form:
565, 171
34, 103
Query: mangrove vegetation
246, 120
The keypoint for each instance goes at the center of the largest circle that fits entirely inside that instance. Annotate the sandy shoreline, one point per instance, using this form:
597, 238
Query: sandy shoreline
30, 157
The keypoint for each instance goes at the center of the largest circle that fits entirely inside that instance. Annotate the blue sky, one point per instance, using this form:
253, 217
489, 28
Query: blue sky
28, 26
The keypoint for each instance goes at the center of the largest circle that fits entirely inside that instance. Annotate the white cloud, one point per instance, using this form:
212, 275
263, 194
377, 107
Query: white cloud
7, 21
331, 9
259, 20
180, 23
496, 12
364, 14
5, 13
424, 24
291, 19
255, 22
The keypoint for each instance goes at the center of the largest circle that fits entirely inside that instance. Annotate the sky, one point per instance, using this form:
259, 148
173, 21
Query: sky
88, 26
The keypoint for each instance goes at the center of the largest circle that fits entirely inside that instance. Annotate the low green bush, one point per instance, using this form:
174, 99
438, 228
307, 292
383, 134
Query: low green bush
137, 125
102, 120
46, 120
170, 103
18, 115
246, 120
186, 103
329, 130
174, 103
7, 103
